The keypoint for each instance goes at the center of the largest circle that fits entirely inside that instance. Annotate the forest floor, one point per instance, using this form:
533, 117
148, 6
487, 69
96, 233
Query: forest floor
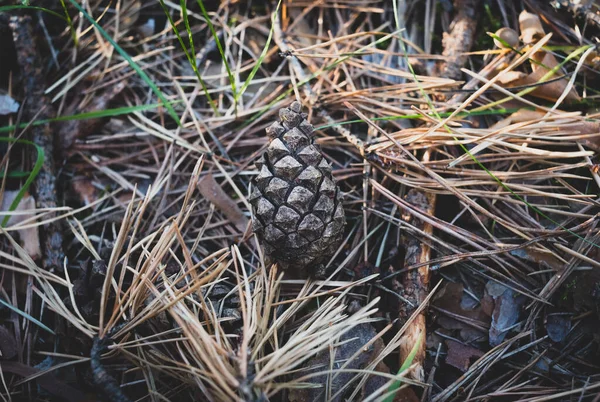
463, 137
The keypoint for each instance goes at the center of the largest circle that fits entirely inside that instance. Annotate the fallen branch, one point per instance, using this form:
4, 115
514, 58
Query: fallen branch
415, 283
37, 106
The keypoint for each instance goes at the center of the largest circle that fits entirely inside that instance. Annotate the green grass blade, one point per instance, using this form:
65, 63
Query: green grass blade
26, 316
262, 55
15, 175
405, 365
131, 62
23, 7
189, 57
219, 46
70, 22
503, 42
88, 115
32, 175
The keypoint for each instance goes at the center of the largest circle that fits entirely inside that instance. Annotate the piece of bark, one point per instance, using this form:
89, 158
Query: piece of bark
460, 38
37, 106
415, 283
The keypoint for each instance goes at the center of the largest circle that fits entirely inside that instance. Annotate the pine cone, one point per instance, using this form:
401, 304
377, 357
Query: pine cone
298, 214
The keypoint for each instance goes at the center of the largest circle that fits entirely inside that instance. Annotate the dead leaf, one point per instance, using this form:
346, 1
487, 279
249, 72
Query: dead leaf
8, 105
504, 306
586, 127
510, 77
524, 115
450, 300
542, 62
531, 27
550, 89
554, 89
213, 192
460, 355
85, 190
536, 255
558, 326
30, 239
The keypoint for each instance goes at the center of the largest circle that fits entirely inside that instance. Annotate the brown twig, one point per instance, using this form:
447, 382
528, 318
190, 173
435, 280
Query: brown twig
102, 378
38, 106
460, 38
416, 282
